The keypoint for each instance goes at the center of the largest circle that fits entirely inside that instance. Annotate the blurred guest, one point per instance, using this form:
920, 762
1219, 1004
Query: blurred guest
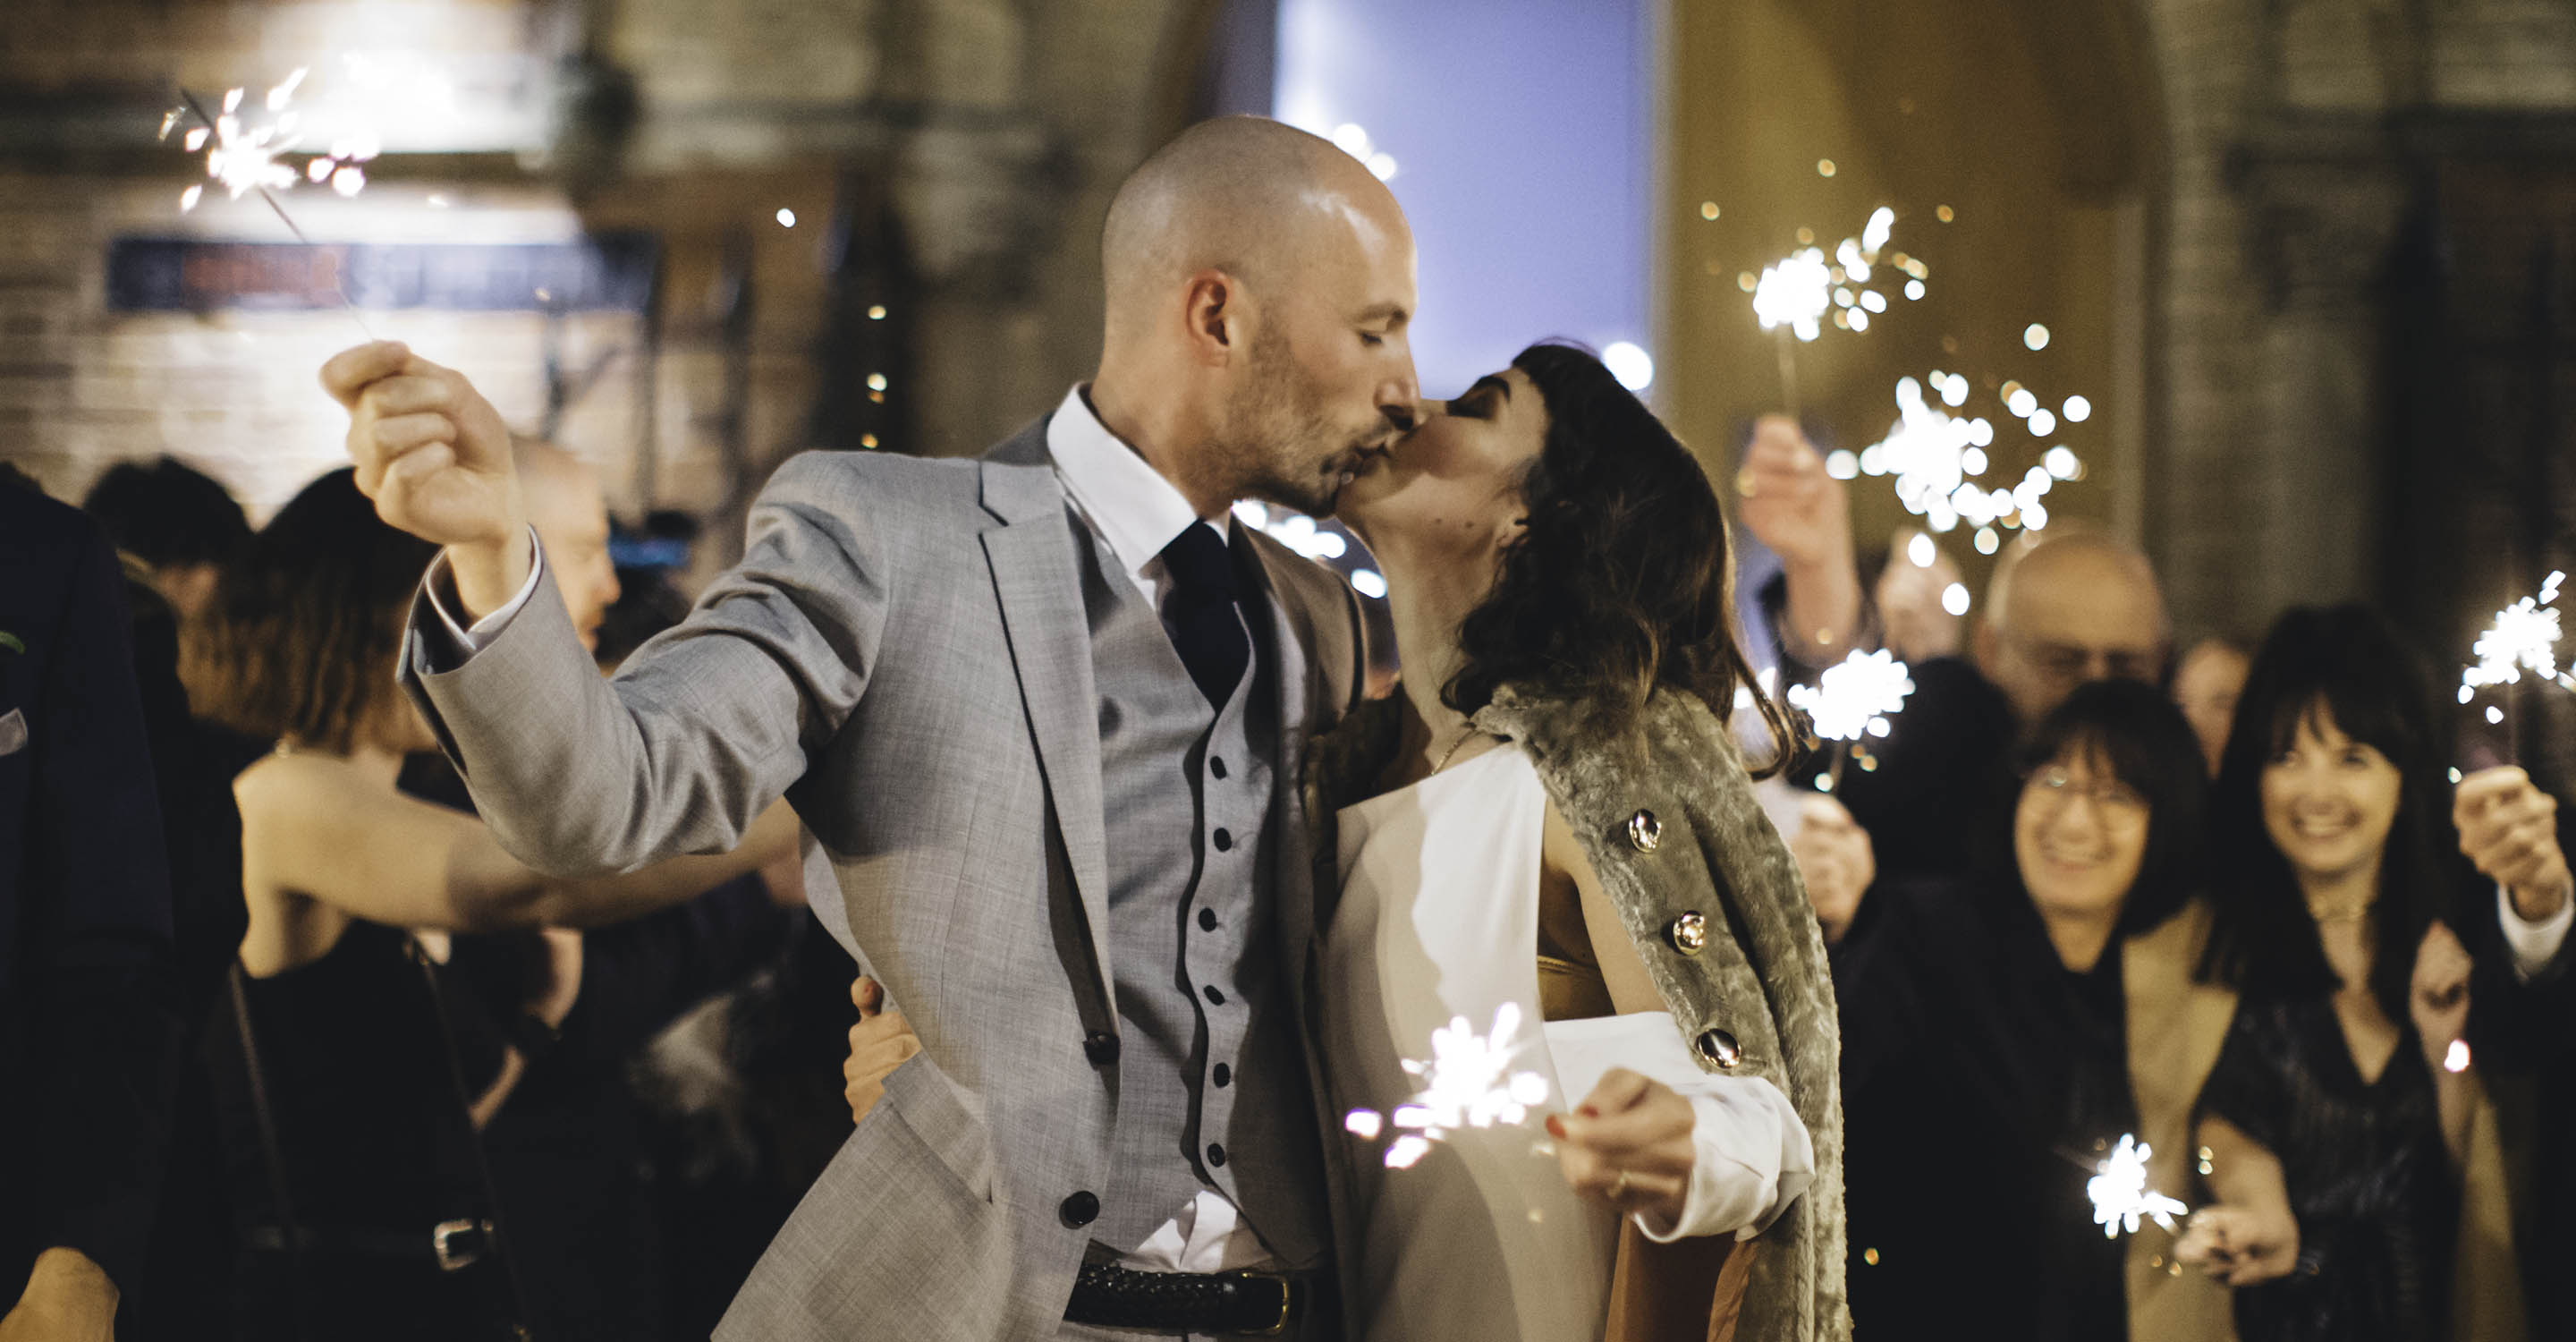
2205, 686
178, 522
2340, 1115
567, 1153
2011, 997
188, 526
86, 1041
1912, 600
367, 1065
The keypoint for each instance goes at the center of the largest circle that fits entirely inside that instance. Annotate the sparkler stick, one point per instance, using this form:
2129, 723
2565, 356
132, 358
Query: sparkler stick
1850, 703
248, 163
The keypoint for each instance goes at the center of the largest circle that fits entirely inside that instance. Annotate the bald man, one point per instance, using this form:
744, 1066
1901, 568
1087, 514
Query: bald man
1043, 714
2068, 607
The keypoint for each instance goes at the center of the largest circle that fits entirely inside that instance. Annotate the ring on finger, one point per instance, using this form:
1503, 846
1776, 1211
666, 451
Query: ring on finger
1619, 1186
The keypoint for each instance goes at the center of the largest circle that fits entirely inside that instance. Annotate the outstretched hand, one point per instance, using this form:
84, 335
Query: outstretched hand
436, 458
1629, 1145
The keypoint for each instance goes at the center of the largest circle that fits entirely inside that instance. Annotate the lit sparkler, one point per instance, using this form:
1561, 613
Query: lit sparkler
1468, 1083
243, 158
1851, 702
1936, 458
2524, 637
1796, 294
2121, 1198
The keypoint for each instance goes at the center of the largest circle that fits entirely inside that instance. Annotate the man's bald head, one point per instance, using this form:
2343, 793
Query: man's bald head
565, 504
1260, 285
1256, 199
2074, 606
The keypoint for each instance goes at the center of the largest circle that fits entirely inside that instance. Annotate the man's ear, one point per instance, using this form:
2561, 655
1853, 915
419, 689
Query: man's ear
1212, 315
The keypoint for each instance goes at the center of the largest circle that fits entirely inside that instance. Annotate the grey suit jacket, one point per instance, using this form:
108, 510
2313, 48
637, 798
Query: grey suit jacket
902, 652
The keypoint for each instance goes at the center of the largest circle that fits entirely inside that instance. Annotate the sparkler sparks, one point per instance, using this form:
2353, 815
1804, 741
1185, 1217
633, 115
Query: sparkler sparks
2121, 1198
1468, 1083
1852, 699
2523, 638
244, 158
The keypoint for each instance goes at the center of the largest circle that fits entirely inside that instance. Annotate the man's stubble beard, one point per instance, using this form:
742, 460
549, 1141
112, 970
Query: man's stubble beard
1273, 427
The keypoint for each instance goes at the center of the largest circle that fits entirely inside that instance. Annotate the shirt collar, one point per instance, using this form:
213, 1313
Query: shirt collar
1136, 509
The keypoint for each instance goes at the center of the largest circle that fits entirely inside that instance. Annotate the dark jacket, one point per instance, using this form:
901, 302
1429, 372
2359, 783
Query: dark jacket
86, 1036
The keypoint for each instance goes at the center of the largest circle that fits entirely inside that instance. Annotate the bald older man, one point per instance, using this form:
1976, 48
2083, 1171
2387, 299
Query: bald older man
2071, 607
1043, 715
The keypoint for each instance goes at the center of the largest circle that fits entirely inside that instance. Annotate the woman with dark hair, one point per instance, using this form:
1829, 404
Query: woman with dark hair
1551, 832
2338, 1120
2006, 996
355, 1105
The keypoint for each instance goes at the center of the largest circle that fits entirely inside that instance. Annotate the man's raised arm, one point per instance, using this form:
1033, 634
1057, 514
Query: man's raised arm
579, 776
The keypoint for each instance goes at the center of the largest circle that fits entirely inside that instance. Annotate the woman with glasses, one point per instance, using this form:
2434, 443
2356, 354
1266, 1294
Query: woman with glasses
1985, 1062
2338, 1122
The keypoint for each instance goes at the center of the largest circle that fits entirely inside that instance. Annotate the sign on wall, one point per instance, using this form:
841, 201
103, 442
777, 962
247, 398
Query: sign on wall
610, 272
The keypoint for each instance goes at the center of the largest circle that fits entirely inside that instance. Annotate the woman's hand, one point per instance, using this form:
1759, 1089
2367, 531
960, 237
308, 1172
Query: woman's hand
2439, 997
879, 1043
1629, 1145
2241, 1244
2509, 828
1834, 860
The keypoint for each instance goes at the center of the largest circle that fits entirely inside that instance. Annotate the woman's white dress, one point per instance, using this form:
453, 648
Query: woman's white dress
1480, 1238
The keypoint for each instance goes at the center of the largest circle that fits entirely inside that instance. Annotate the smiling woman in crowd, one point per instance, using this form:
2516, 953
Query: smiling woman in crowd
1985, 1038
2341, 1122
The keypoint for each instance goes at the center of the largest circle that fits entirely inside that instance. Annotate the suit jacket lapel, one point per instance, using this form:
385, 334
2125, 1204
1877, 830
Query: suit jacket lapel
1039, 587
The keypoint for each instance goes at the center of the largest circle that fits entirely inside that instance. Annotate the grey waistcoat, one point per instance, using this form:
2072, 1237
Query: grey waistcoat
1209, 1082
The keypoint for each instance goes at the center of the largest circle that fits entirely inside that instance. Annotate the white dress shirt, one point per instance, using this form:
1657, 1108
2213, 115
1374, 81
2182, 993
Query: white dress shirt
2533, 945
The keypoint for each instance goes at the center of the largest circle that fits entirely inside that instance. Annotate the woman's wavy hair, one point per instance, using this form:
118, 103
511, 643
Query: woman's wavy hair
2134, 733
1622, 580
299, 640
2351, 663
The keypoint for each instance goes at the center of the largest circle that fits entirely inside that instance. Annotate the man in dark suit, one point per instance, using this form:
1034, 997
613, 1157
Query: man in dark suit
85, 931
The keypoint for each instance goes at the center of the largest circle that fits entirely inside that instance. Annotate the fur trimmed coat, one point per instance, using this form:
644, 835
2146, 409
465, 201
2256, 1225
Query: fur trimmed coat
1666, 815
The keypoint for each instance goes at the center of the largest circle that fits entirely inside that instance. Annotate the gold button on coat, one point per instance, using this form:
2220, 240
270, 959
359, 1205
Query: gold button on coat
1720, 1047
1645, 832
1688, 933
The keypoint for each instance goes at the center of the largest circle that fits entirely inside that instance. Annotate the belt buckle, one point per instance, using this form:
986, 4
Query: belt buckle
1287, 1299
451, 1257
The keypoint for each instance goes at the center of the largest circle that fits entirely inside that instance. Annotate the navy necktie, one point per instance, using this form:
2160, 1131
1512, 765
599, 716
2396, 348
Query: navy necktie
1200, 612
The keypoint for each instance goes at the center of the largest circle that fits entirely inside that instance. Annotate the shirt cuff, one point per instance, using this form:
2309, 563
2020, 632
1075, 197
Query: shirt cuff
1751, 1158
473, 639
2533, 945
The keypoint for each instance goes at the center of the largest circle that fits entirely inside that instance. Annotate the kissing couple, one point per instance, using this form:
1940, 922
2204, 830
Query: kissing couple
1148, 893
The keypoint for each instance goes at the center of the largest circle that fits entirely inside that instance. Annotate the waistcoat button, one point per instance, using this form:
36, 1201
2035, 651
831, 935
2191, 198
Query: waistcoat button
1207, 920
1720, 1047
1224, 841
1216, 768
1101, 1047
1080, 1210
1645, 832
1214, 997
1224, 1076
1688, 933
1216, 1153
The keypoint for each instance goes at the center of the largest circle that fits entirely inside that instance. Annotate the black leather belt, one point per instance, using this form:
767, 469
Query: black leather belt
453, 1245
1238, 1304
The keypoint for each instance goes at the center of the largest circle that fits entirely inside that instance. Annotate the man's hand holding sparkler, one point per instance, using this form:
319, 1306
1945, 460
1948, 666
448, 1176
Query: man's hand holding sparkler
2509, 828
1835, 860
436, 458
1629, 1145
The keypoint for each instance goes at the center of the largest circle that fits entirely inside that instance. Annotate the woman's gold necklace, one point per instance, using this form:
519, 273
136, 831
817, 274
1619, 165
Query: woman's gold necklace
1465, 735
